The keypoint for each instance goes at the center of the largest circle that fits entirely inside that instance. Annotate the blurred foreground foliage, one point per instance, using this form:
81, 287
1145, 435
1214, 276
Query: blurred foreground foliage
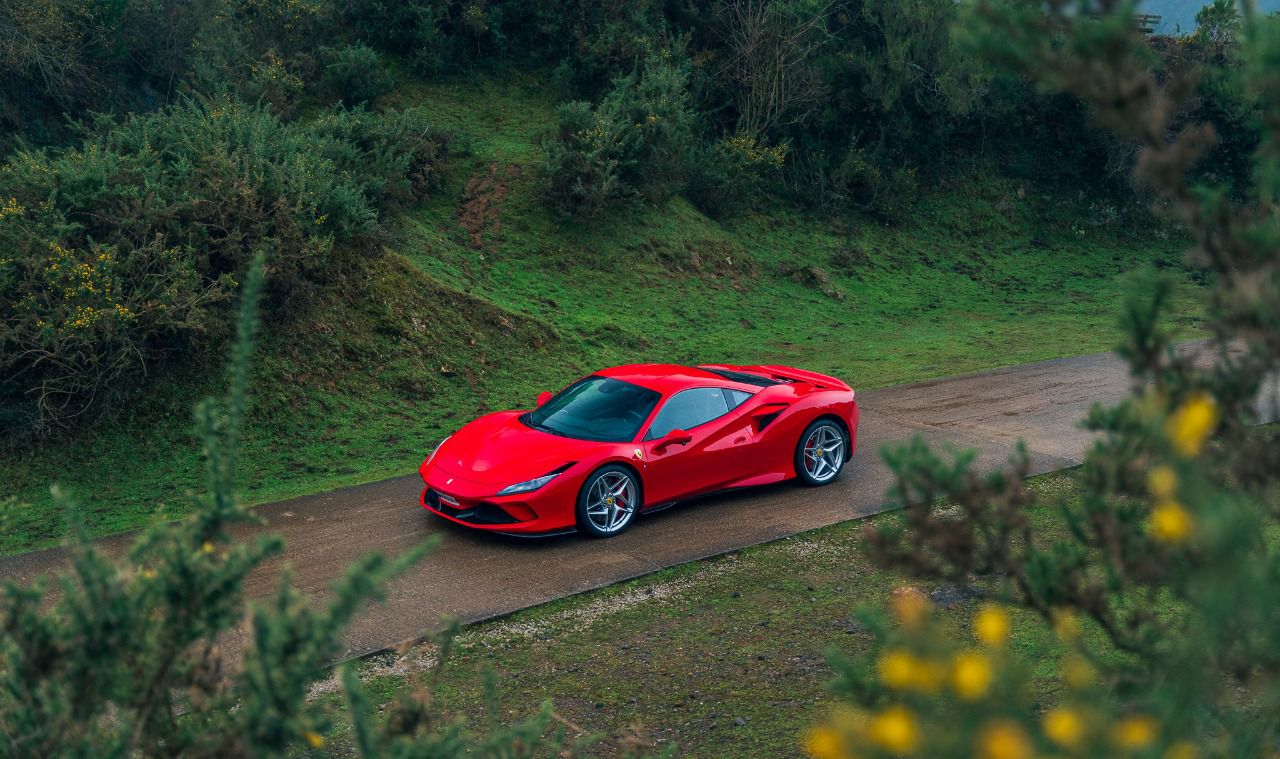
1165, 596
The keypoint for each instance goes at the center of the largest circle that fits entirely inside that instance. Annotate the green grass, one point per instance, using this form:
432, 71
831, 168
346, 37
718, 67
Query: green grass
723, 657
357, 387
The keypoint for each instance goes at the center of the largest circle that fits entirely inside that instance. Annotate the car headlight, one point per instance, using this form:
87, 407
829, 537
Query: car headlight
528, 486
437, 450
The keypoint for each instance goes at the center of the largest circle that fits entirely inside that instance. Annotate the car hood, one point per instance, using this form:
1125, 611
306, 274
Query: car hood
500, 450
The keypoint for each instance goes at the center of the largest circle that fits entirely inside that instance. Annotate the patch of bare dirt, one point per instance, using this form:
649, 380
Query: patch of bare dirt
481, 210
814, 278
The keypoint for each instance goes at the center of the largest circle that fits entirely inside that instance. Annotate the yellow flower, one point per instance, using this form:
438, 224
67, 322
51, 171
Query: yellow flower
1170, 522
207, 547
1162, 482
825, 743
1064, 727
1077, 673
971, 675
1191, 424
1004, 739
1066, 624
895, 730
909, 607
314, 739
1136, 732
1182, 750
897, 669
149, 573
901, 670
991, 625
11, 208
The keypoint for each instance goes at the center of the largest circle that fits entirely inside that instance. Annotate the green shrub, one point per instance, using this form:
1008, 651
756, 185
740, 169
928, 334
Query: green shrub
874, 186
633, 146
273, 82
355, 73
166, 210
731, 173
393, 158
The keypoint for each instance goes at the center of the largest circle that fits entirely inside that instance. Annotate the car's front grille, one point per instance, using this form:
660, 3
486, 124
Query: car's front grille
481, 513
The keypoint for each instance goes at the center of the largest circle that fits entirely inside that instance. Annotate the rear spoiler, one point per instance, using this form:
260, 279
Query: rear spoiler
791, 374
784, 374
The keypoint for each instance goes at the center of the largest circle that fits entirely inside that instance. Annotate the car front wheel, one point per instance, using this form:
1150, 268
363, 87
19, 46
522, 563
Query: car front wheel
820, 452
608, 502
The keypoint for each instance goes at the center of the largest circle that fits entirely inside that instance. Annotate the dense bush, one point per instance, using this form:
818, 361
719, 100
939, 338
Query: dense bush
69, 56
1163, 591
731, 173
632, 147
355, 73
116, 250
875, 186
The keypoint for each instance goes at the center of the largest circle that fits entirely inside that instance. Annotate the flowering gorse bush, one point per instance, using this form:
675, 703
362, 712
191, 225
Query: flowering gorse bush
117, 251
1164, 593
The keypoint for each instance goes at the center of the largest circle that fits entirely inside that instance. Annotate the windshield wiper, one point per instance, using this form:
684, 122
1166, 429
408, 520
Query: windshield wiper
542, 427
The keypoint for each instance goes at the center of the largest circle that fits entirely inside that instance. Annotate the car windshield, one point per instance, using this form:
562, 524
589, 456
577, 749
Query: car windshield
595, 408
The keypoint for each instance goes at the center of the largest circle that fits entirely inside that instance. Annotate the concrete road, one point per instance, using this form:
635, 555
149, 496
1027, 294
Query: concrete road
474, 576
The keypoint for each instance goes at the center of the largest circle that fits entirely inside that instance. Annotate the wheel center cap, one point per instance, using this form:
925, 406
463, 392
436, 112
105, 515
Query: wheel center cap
819, 451
608, 502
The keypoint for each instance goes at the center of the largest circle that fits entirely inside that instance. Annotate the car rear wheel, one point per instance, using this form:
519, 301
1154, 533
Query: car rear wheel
608, 502
820, 452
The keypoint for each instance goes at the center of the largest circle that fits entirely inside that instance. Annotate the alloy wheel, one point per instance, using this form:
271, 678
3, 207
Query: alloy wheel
824, 453
611, 502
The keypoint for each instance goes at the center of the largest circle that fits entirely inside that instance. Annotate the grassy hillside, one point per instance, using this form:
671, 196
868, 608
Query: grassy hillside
485, 299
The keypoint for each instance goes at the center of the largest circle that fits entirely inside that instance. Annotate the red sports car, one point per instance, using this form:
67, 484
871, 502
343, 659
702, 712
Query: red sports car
637, 438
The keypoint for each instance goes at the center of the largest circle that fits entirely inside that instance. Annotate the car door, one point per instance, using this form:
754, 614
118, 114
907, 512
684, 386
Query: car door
715, 455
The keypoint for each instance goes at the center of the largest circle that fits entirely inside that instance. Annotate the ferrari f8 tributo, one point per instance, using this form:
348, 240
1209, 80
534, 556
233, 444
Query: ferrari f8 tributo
637, 438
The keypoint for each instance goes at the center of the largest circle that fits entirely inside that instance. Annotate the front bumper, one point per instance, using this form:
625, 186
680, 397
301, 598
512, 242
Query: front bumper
546, 510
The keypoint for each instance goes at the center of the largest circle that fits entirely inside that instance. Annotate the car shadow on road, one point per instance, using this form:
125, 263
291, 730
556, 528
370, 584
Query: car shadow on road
691, 509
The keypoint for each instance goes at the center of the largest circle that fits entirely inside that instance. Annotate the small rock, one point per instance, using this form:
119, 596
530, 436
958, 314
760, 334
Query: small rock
949, 595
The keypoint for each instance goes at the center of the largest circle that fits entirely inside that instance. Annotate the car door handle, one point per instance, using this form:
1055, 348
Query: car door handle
740, 441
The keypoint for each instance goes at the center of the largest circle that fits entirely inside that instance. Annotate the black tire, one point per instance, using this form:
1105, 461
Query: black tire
822, 431
598, 519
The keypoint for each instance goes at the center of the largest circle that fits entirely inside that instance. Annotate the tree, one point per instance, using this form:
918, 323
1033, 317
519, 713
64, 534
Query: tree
770, 52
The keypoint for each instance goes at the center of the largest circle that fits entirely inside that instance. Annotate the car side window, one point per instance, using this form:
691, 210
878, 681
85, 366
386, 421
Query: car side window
735, 397
687, 409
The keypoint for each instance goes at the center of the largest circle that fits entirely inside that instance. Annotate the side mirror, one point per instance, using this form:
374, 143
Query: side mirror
674, 437
543, 397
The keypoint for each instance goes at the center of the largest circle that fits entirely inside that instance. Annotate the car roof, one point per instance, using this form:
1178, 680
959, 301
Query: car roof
669, 378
